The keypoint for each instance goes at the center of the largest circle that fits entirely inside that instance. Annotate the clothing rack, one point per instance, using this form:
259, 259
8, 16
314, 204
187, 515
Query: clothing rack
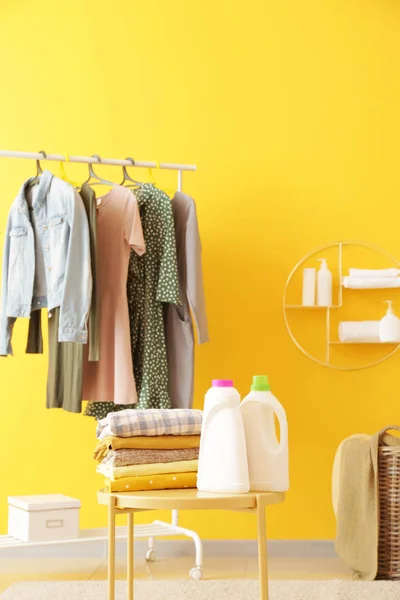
93, 160
157, 528
97, 160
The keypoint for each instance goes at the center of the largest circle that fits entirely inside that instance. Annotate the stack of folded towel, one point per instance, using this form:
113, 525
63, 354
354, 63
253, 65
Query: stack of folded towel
369, 279
141, 450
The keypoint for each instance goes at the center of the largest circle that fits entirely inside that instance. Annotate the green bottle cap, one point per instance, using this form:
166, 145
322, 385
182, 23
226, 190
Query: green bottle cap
260, 384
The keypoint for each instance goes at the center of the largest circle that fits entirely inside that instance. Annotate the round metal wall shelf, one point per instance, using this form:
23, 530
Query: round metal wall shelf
290, 308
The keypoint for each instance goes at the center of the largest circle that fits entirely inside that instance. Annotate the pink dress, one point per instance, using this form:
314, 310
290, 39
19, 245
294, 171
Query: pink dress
119, 228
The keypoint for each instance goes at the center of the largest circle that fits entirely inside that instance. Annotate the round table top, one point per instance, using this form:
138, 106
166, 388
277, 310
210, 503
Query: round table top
189, 499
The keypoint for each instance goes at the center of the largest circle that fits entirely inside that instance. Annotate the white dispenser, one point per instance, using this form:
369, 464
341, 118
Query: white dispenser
309, 277
389, 327
268, 459
223, 456
324, 285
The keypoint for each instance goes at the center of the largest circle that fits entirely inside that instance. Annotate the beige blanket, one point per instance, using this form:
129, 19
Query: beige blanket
355, 500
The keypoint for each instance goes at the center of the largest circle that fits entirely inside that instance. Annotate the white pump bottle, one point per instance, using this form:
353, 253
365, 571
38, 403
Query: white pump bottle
324, 285
389, 327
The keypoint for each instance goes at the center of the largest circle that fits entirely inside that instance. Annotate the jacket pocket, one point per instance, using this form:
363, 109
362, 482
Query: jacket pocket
18, 241
57, 220
18, 232
57, 230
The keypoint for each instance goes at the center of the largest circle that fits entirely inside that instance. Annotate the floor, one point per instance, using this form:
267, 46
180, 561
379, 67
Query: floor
92, 568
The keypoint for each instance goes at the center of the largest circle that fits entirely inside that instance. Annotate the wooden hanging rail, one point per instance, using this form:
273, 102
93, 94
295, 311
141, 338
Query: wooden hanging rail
94, 160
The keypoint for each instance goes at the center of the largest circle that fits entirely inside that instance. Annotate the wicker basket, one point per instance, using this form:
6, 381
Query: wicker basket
389, 508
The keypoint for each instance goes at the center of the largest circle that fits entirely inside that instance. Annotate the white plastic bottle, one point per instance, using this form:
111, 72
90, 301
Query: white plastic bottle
309, 278
267, 457
223, 456
324, 285
389, 327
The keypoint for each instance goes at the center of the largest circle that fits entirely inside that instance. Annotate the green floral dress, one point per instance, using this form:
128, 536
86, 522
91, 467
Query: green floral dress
152, 281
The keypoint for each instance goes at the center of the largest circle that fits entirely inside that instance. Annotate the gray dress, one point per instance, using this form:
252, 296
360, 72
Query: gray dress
177, 319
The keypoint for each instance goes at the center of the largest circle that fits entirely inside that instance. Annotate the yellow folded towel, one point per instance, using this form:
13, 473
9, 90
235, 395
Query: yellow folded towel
114, 473
161, 442
356, 502
152, 482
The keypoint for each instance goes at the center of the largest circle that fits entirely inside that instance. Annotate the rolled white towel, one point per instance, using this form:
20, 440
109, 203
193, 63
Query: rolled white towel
361, 332
374, 272
370, 283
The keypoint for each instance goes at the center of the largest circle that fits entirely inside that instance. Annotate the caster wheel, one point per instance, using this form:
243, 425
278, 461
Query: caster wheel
150, 556
196, 573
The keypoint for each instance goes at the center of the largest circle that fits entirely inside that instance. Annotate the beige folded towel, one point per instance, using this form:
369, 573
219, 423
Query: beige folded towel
356, 503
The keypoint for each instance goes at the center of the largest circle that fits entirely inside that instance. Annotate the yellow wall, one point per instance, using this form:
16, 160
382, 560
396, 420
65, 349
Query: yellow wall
291, 112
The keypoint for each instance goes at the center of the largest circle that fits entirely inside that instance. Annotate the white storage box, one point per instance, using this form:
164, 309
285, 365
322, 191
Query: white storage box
43, 518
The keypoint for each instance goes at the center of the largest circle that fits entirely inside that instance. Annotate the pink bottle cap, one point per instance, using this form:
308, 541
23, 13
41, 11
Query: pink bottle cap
222, 383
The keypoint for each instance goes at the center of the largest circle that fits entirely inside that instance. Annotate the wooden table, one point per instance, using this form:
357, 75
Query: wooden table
129, 503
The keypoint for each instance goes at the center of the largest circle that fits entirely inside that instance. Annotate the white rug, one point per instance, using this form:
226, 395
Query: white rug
231, 589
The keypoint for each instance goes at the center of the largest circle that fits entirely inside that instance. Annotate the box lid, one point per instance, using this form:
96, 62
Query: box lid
45, 502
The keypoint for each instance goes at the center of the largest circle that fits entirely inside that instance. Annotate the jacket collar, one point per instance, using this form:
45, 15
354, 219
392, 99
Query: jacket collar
43, 189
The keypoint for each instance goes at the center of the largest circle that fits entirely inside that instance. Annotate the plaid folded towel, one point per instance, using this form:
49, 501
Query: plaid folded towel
151, 422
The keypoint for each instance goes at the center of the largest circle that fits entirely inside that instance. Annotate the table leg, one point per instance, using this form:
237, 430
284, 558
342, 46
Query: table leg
130, 555
111, 548
262, 550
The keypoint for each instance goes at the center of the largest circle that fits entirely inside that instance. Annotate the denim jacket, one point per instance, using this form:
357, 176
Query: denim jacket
61, 228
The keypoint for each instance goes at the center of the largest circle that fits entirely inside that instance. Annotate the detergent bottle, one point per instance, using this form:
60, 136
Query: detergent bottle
268, 458
223, 456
